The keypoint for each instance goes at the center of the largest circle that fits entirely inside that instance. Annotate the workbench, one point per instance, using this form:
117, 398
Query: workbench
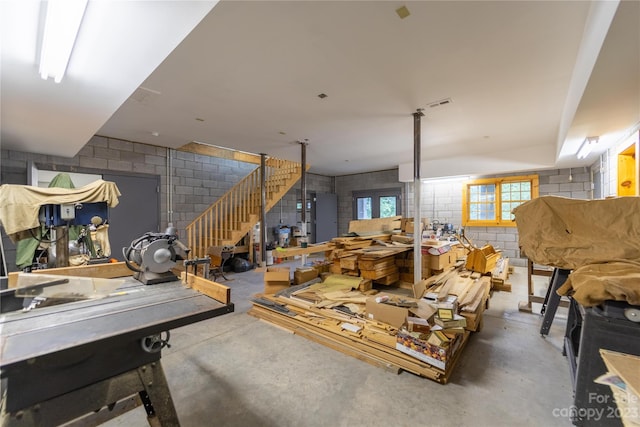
61, 362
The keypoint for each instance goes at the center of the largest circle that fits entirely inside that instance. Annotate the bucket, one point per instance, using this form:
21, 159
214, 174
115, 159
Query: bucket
269, 257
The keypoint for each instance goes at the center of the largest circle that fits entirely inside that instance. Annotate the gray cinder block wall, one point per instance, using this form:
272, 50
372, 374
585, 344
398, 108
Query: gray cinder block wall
197, 180
444, 200
346, 184
285, 212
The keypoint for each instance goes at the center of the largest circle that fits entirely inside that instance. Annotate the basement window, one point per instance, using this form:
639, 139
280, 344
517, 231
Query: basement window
383, 203
488, 202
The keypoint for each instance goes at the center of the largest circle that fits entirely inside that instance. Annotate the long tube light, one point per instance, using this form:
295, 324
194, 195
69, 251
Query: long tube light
60, 31
586, 147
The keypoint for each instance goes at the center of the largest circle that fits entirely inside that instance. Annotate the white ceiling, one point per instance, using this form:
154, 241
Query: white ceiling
529, 80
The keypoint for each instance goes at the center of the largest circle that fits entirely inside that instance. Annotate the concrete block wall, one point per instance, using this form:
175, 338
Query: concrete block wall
346, 184
285, 213
196, 180
442, 201
573, 183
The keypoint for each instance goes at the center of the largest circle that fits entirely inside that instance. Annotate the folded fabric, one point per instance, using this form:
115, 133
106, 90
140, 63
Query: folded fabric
595, 283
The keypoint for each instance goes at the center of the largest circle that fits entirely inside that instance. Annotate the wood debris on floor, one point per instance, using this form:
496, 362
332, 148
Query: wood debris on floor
422, 335
344, 308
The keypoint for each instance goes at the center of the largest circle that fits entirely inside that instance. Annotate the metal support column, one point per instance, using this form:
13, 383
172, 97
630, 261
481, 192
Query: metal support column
303, 191
417, 189
263, 213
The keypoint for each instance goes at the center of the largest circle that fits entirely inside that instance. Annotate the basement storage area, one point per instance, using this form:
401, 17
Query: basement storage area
380, 243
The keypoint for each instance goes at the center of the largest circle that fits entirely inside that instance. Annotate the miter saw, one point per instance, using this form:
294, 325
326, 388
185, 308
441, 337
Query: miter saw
155, 254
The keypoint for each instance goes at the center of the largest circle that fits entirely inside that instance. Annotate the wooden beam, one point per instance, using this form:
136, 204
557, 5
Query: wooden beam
311, 249
217, 291
222, 153
106, 271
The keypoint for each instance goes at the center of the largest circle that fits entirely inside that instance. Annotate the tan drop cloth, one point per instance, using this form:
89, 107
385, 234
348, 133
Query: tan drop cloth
570, 233
20, 204
595, 283
598, 239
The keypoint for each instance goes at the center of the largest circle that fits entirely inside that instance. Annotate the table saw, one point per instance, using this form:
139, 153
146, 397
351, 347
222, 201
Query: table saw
60, 362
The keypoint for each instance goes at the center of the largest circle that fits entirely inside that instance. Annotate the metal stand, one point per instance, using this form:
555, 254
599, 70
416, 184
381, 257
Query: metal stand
102, 401
219, 270
552, 300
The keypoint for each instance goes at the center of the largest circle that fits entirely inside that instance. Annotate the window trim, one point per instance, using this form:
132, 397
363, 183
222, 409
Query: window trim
375, 195
498, 222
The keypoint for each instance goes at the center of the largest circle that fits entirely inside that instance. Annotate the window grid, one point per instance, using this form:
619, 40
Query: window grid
490, 201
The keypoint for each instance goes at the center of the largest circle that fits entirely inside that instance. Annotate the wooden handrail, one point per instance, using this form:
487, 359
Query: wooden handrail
230, 217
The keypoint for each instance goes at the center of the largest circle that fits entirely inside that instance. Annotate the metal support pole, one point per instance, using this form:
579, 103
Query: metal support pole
263, 213
417, 189
303, 190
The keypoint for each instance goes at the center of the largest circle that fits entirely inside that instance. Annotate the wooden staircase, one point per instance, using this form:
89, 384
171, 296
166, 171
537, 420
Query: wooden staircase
234, 214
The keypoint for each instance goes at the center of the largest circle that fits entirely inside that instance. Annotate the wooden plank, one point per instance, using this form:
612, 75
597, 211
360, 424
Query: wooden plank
378, 274
217, 291
504, 287
349, 262
375, 225
348, 345
446, 286
352, 344
372, 264
223, 153
109, 270
357, 244
481, 295
388, 280
311, 249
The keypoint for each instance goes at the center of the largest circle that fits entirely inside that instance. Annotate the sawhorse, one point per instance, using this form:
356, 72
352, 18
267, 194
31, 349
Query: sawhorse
552, 299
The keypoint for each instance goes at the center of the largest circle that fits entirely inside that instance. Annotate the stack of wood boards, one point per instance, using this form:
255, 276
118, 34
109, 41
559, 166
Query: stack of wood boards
500, 274
472, 293
336, 313
366, 257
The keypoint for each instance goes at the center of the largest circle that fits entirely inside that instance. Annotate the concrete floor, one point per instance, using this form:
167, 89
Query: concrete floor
236, 370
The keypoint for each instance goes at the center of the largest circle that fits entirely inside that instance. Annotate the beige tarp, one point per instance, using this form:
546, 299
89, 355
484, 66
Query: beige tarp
595, 283
20, 204
570, 233
598, 239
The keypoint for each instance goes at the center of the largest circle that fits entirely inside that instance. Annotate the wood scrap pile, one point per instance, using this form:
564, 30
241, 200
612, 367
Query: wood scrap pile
500, 274
366, 257
420, 335
471, 293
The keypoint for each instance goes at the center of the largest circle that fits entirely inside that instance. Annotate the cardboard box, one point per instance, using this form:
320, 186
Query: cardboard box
386, 313
418, 324
411, 344
304, 274
276, 279
439, 262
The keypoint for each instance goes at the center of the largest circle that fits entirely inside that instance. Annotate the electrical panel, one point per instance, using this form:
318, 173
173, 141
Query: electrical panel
67, 211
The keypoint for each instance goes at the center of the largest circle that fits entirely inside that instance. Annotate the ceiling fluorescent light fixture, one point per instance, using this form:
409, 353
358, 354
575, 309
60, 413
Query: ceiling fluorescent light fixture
586, 147
61, 28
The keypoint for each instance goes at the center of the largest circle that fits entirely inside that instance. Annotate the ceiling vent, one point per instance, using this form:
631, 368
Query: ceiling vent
143, 94
440, 103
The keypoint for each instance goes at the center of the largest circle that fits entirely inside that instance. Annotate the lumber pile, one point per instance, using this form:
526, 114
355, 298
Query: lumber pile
423, 335
500, 274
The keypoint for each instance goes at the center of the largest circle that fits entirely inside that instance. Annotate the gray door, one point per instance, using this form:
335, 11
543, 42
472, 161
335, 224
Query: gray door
326, 216
137, 212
